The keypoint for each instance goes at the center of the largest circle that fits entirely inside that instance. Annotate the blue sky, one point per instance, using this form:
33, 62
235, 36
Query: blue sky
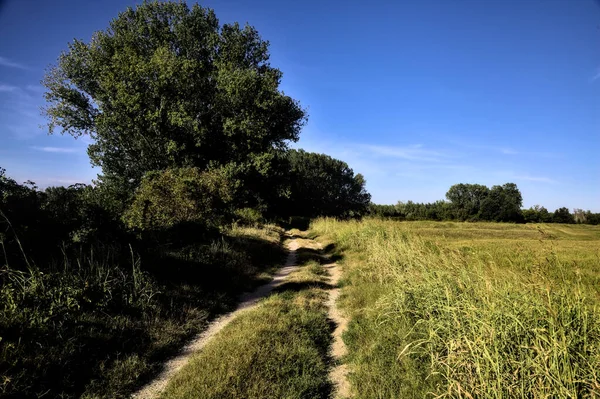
416, 95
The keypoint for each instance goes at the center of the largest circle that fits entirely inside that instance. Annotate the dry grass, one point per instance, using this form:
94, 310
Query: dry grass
470, 310
277, 350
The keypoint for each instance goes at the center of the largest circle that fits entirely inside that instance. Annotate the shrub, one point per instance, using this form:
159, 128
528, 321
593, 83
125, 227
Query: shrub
248, 216
166, 199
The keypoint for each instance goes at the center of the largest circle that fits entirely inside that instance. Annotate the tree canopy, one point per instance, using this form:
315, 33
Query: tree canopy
503, 204
324, 186
166, 86
466, 199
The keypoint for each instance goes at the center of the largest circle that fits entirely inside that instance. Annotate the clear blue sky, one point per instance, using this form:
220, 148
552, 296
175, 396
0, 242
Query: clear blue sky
416, 95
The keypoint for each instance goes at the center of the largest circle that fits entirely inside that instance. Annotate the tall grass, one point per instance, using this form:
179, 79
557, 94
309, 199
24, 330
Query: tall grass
99, 322
459, 317
277, 350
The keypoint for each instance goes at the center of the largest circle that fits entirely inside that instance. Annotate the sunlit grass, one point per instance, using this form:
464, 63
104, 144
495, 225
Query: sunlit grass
470, 309
278, 350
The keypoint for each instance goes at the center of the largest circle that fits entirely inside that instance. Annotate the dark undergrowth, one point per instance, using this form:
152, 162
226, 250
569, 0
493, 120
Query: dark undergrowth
99, 325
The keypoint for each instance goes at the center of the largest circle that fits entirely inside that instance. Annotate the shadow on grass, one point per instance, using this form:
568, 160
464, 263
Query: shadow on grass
297, 286
103, 348
295, 222
322, 256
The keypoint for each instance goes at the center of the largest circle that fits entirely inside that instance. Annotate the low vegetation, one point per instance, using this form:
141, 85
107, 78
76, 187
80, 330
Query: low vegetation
95, 327
470, 310
278, 350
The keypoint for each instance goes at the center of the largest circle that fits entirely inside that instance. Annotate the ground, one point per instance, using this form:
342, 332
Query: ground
409, 309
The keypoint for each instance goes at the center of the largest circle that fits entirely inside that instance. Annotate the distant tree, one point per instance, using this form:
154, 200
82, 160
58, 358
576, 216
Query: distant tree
439, 210
579, 215
537, 214
562, 215
166, 86
466, 199
592, 218
384, 211
544, 215
503, 204
323, 186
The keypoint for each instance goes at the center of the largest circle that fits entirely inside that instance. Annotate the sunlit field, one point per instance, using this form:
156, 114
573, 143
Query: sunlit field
470, 309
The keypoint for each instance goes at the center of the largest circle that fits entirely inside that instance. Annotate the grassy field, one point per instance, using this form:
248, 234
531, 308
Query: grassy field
277, 350
470, 310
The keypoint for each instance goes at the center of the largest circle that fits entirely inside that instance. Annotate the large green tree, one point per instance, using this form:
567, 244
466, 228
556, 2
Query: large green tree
562, 215
503, 204
324, 186
466, 199
166, 86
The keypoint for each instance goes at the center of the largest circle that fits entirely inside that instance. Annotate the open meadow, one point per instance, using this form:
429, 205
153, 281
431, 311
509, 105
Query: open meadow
463, 310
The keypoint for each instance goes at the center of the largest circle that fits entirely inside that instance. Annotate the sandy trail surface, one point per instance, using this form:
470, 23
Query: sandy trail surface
339, 371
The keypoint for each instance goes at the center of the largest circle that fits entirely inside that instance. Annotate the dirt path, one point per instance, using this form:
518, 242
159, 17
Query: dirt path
339, 373
248, 300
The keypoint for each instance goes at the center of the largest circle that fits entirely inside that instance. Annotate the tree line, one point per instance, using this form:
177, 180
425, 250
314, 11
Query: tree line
476, 202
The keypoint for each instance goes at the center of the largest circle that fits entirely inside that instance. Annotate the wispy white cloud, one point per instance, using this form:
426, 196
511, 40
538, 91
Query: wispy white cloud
35, 88
63, 150
11, 64
21, 112
8, 88
410, 153
596, 76
505, 150
540, 179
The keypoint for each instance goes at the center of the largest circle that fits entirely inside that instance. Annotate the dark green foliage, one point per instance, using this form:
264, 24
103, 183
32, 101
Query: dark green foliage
166, 86
562, 215
537, 214
36, 227
81, 313
20, 218
248, 217
385, 211
324, 186
503, 204
166, 199
467, 199
439, 210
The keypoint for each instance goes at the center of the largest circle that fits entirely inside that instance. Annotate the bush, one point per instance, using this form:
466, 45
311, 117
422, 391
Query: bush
248, 217
166, 199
